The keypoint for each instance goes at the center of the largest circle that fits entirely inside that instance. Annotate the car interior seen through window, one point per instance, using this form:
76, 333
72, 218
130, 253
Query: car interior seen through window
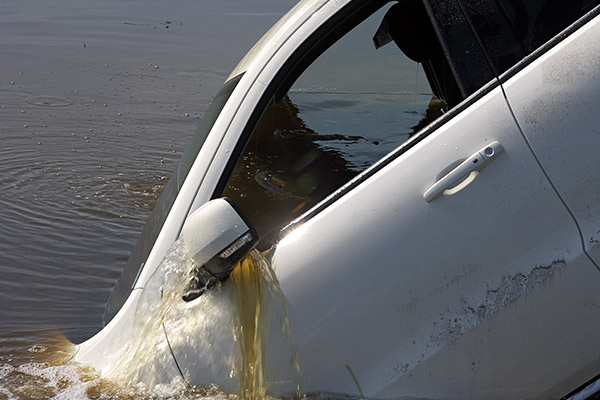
364, 96
511, 29
534, 22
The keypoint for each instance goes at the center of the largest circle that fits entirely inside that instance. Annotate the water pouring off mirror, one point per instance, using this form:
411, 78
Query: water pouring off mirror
184, 325
216, 236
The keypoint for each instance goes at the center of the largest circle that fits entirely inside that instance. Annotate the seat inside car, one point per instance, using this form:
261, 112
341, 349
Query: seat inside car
410, 28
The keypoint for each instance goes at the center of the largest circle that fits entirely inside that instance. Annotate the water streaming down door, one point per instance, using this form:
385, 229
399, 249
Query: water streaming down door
235, 334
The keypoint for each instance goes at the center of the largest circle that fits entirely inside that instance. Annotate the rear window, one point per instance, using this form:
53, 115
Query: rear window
534, 22
513, 29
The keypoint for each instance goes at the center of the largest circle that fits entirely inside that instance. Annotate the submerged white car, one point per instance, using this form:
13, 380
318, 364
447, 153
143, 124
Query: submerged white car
425, 176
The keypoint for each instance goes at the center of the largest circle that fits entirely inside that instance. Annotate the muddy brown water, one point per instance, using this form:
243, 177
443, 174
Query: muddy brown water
98, 100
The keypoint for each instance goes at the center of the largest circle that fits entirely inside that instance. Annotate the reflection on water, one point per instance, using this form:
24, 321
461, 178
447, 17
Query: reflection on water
346, 110
282, 169
308, 144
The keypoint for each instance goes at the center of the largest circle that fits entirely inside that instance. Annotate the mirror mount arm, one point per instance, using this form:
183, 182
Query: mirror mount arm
216, 236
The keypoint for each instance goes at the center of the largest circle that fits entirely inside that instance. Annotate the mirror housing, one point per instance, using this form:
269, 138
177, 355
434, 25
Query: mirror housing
215, 236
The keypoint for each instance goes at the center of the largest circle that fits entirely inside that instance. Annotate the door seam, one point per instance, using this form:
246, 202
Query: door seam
554, 188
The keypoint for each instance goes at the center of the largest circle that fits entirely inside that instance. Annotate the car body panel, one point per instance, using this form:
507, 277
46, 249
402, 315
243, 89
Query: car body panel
447, 270
554, 101
484, 292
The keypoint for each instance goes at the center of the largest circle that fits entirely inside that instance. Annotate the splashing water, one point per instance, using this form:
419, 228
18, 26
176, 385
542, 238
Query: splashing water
49, 375
236, 335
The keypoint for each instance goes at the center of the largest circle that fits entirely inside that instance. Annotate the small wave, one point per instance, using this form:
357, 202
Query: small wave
75, 382
47, 101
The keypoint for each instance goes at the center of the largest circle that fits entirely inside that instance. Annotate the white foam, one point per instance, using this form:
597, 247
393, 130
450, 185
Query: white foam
205, 336
6, 369
74, 382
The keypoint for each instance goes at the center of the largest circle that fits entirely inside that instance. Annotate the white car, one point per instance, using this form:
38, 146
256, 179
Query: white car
426, 175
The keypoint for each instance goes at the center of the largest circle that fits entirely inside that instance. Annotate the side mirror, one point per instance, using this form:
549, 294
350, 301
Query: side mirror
215, 237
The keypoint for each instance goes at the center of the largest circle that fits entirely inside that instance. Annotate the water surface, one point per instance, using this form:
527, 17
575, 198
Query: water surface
98, 99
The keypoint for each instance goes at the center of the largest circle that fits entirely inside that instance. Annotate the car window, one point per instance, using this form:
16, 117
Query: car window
355, 103
534, 22
512, 29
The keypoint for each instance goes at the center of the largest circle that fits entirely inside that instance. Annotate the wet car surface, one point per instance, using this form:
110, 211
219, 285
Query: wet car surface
453, 253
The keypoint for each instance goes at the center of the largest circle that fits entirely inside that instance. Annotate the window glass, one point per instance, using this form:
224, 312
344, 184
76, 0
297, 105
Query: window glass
537, 21
512, 29
208, 120
350, 107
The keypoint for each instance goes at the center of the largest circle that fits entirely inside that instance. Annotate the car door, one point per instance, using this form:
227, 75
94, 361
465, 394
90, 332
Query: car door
554, 99
429, 255
430, 275
462, 296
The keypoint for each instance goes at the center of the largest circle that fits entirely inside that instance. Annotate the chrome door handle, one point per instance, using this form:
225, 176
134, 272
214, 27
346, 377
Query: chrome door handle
464, 170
